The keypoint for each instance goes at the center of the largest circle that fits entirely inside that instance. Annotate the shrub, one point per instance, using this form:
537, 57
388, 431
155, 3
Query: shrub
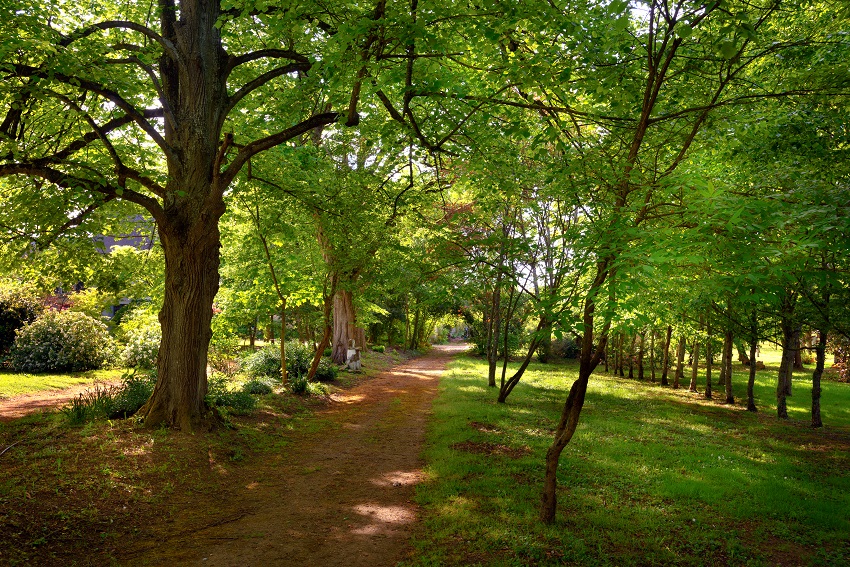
257, 387
298, 383
219, 395
141, 347
316, 389
378, 348
327, 352
265, 363
135, 390
222, 353
565, 348
62, 341
19, 305
327, 370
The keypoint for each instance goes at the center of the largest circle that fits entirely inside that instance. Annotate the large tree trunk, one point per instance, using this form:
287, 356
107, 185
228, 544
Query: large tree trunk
191, 282
345, 326
820, 361
665, 361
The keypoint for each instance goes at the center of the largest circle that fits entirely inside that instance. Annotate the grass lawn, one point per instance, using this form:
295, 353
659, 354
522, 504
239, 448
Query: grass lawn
652, 477
15, 384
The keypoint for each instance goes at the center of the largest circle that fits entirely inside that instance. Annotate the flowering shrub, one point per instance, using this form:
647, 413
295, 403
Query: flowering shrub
142, 347
19, 305
140, 333
62, 341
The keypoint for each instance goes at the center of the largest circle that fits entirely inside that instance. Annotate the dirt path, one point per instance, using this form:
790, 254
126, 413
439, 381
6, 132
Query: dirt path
25, 404
339, 496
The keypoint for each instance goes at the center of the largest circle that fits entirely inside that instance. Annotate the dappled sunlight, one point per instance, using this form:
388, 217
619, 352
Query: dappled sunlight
381, 519
398, 478
347, 398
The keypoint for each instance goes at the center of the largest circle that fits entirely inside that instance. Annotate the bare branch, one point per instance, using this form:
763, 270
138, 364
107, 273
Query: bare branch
235, 61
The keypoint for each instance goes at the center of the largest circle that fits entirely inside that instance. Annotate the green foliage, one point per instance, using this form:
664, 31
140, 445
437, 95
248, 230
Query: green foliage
142, 335
298, 383
257, 387
379, 348
263, 363
327, 371
19, 304
219, 395
111, 402
62, 341
223, 352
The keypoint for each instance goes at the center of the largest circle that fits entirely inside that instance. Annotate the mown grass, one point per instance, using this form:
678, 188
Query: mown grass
652, 477
17, 383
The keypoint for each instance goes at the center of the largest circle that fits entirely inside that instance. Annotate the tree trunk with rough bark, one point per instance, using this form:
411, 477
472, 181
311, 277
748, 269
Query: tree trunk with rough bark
345, 326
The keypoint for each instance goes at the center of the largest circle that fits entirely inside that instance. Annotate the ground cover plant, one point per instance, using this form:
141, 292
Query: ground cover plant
654, 476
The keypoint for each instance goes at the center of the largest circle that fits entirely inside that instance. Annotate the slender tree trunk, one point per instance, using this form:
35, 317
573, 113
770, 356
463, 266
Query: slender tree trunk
621, 355
283, 375
798, 351
680, 362
632, 356
742, 353
326, 336
751, 381
652, 356
727, 366
640, 357
607, 356
786, 369
820, 361
493, 334
709, 360
694, 366
665, 362
589, 358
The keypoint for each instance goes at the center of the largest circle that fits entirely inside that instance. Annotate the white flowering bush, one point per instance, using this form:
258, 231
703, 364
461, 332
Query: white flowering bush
141, 347
62, 341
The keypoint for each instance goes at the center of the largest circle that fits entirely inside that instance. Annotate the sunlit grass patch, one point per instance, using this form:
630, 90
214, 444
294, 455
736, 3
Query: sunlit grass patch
652, 476
18, 383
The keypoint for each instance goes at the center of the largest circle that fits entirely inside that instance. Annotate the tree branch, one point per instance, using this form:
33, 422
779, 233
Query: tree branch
262, 80
169, 47
269, 142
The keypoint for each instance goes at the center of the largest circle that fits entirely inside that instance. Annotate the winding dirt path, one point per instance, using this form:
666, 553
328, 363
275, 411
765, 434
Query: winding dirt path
340, 496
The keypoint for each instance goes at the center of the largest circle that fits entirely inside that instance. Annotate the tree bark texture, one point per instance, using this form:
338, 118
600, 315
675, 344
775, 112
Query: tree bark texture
191, 282
345, 326
751, 381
